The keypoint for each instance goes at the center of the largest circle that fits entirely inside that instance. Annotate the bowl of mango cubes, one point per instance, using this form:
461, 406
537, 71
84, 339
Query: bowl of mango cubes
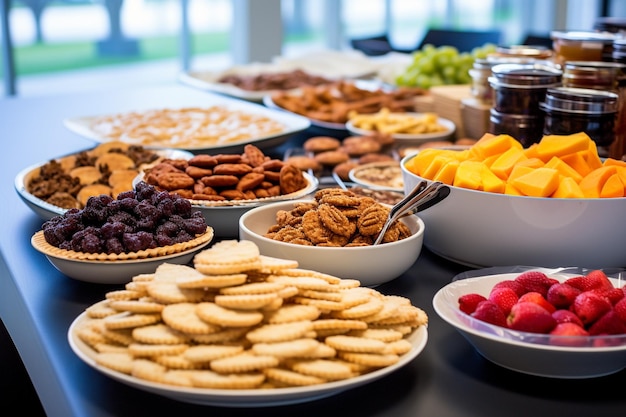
556, 203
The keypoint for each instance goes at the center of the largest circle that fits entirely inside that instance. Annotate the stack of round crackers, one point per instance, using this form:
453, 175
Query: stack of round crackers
241, 320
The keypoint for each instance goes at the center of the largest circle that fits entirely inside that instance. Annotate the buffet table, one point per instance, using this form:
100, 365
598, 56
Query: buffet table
38, 304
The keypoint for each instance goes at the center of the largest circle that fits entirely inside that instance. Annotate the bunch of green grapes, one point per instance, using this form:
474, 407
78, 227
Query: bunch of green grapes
443, 65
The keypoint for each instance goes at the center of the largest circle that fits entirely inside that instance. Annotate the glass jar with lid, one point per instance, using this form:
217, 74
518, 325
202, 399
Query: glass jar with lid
598, 75
519, 88
573, 110
582, 46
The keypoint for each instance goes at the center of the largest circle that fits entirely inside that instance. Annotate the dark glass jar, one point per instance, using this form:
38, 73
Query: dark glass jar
572, 110
526, 129
519, 88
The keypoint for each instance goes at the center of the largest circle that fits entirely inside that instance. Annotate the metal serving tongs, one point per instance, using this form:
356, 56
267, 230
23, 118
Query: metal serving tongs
420, 198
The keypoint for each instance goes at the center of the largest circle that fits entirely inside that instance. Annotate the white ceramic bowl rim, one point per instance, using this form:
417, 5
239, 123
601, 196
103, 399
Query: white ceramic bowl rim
447, 307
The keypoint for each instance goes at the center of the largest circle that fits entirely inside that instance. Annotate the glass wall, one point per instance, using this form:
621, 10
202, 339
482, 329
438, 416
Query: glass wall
159, 38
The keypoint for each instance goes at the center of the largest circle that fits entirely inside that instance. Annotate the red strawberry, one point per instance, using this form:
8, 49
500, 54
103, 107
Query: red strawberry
612, 294
567, 316
600, 279
535, 281
489, 312
609, 323
514, 285
537, 298
504, 297
527, 316
569, 329
562, 295
620, 309
589, 306
587, 282
468, 302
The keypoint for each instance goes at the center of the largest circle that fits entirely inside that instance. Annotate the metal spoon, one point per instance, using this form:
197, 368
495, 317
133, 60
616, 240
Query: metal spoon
418, 199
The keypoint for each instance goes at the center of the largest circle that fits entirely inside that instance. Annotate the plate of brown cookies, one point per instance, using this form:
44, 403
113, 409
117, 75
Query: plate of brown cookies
52, 187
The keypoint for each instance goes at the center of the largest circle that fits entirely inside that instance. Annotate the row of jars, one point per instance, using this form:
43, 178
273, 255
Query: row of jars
532, 97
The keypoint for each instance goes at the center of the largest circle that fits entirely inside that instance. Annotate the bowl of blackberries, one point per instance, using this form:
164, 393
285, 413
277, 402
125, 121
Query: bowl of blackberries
111, 240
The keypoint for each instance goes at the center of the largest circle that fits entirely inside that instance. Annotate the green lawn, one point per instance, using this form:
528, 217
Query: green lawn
57, 57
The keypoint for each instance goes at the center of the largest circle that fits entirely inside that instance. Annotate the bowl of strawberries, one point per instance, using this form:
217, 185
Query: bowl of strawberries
565, 323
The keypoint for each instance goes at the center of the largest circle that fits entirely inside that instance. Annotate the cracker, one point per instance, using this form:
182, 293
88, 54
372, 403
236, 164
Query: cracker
159, 334
384, 335
300, 272
211, 281
228, 257
129, 320
324, 368
370, 359
308, 283
178, 377
92, 190
86, 174
293, 312
90, 336
246, 301
228, 335
253, 288
372, 306
136, 306
169, 292
100, 310
288, 349
355, 344
243, 362
274, 265
183, 317
123, 295
120, 336
207, 353
150, 350
178, 361
148, 370
280, 332
209, 379
399, 347
118, 361
215, 314
292, 378
114, 161
326, 324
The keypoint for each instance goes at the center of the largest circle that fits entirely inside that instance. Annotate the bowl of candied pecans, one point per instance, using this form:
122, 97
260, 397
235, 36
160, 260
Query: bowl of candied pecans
333, 233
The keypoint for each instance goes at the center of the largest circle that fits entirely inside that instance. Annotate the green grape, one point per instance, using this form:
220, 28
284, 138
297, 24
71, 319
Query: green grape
426, 66
449, 74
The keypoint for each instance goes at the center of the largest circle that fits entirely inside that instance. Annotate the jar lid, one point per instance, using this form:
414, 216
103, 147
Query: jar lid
527, 74
606, 65
524, 51
580, 100
601, 37
610, 24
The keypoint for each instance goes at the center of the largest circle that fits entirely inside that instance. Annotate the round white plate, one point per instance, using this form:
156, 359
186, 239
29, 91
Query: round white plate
292, 122
247, 397
46, 210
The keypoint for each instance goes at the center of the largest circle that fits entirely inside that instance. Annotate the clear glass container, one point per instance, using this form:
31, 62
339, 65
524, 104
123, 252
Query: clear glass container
526, 129
582, 46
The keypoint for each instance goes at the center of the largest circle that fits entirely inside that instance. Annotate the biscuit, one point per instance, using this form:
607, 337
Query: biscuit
321, 143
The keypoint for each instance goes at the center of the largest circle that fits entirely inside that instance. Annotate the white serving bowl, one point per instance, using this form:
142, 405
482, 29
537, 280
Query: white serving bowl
479, 229
408, 139
371, 265
114, 271
530, 353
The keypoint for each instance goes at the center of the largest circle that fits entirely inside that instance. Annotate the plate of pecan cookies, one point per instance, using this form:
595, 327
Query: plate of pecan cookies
240, 329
